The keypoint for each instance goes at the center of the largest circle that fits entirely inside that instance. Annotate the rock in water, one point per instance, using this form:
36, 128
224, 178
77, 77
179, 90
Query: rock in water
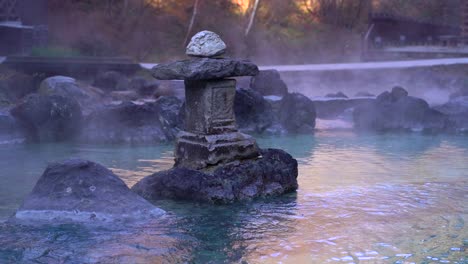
206, 44
396, 111
274, 173
269, 82
297, 113
82, 190
253, 112
134, 123
62, 85
48, 118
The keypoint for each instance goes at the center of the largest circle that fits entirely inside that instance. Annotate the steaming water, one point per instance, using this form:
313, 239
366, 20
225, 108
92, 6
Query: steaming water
362, 199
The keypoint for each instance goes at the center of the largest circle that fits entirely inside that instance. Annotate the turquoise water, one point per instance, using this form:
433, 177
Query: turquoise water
362, 198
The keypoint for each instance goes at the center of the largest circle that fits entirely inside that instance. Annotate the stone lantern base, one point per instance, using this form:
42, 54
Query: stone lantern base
197, 151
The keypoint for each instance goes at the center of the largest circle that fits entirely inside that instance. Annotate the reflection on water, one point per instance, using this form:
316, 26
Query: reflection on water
363, 198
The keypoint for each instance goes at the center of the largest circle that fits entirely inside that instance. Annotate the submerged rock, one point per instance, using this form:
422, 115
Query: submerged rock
396, 111
82, 190
134, 123
204, 69
206, 44
274, 173
269, 82
48, 118
297, 113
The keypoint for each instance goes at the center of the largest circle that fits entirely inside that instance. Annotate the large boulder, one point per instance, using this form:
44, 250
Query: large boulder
396, 111
111, 81
273, 174
269, 82
87, 96
134, 123
297, 113
64, 86
81, 190
48, 118
253, 112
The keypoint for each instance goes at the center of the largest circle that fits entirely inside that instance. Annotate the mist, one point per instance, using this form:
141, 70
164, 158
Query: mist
233, 131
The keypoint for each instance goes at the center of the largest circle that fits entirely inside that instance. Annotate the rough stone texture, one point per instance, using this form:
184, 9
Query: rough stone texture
253, 112
206, 44
395, 111
48, 118
111, 81
297, 113
87, 96
197, 151
269, 82
134, 123
210, 135
209, 106
337, 108
62, 85
204, 69
82, 190
274, 173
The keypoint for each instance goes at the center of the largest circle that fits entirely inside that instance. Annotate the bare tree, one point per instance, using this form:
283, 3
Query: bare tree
192, 21
252, 17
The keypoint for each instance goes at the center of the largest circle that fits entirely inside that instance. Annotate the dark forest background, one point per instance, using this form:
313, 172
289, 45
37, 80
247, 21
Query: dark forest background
267, 31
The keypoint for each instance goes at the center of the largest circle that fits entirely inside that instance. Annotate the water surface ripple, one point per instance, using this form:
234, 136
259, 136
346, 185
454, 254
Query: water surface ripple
394, 198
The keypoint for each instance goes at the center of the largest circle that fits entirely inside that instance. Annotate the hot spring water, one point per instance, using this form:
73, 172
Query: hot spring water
362, 198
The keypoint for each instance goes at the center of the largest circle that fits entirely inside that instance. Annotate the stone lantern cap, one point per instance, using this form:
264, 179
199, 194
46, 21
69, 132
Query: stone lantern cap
204, 69
204, 47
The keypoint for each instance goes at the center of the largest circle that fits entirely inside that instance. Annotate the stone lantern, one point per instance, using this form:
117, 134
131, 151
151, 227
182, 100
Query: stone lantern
211, 136
214, 162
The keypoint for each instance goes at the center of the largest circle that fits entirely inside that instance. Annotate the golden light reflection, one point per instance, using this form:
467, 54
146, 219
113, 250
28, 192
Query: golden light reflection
243, 4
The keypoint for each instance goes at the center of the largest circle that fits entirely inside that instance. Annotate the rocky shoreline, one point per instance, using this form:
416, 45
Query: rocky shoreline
123, 110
